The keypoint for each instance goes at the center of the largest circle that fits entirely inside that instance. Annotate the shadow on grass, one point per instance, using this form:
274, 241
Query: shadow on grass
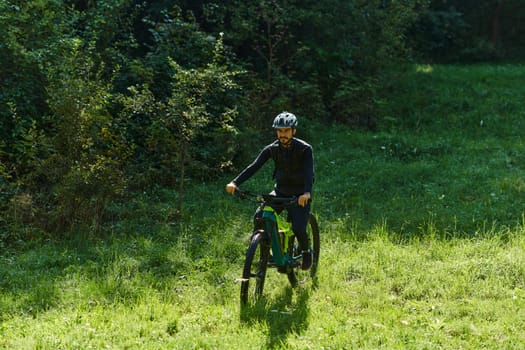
287, 314
27, 280
35, 278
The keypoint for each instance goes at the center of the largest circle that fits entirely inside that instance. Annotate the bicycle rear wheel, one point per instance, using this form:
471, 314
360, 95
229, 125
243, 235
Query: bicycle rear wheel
255, 266
296, 275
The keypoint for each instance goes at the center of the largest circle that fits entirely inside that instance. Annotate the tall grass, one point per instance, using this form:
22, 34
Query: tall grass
423, 243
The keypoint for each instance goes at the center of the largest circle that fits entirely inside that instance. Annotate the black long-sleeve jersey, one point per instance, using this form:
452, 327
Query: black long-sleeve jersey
294, 167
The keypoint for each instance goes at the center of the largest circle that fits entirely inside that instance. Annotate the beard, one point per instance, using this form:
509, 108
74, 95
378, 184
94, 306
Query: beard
284, 141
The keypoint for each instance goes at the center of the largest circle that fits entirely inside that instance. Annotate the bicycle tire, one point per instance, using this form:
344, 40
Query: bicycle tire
296, 275
255, 267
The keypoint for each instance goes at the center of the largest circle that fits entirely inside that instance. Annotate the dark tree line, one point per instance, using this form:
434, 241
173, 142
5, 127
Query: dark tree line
99, 98
470, 31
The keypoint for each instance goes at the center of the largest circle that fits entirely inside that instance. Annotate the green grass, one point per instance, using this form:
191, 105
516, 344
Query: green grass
423, 243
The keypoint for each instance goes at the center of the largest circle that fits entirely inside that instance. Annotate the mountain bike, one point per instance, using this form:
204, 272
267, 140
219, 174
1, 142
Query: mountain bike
274, 245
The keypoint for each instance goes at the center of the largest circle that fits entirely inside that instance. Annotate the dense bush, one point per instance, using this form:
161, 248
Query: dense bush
85, 118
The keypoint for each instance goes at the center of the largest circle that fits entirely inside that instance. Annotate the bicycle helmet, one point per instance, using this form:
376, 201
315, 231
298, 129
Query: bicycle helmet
285, 120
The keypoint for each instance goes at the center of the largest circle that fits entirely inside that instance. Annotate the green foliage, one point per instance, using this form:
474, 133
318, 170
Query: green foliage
86, 154
176, 38
471, 31
439, 32
313, 57
187, 134
22, 82
191, 126
71, 142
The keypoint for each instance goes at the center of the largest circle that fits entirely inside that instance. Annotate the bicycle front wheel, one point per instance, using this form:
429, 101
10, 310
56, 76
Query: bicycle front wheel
255, 266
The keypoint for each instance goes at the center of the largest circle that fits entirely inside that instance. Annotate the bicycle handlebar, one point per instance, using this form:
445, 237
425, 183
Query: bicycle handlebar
269, 199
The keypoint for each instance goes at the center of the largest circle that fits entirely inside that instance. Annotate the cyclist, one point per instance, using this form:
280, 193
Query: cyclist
293, 175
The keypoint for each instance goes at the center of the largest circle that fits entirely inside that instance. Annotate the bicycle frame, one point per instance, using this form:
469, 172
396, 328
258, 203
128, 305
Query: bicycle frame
274, 226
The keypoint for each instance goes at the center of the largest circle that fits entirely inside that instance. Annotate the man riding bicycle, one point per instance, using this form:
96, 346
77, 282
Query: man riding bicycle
293, 175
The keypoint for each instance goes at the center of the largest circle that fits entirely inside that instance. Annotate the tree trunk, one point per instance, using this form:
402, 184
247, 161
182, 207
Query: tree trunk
496, 24
182, 169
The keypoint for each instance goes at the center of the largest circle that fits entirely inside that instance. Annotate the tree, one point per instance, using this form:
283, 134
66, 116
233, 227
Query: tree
471, 31
194, 118
323, 59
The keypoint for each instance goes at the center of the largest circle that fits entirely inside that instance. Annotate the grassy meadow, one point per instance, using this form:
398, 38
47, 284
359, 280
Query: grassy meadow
422, 242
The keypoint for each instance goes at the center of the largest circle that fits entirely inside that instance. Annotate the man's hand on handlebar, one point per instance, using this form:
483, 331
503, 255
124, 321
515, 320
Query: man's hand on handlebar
231, 188
303, 199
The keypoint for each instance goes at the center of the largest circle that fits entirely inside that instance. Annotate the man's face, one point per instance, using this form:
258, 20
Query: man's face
285, 135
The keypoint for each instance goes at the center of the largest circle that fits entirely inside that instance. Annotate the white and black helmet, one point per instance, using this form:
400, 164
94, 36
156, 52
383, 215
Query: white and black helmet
285, 120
